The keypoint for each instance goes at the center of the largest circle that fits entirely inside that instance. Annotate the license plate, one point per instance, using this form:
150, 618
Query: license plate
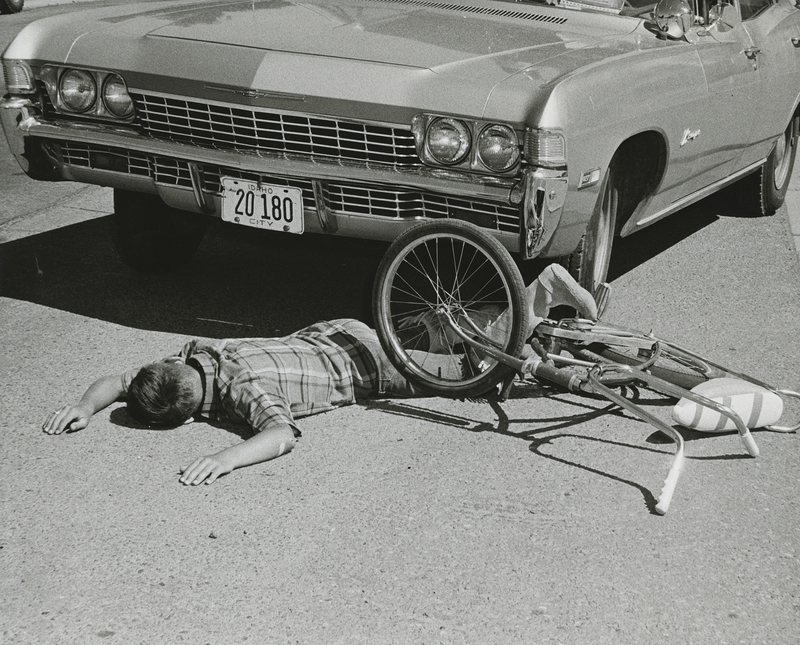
274, 208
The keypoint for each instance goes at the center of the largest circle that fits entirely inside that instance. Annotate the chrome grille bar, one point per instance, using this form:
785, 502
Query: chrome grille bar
243, 128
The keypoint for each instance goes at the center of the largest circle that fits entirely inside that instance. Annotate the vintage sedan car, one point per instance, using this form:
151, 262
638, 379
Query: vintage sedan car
556, 126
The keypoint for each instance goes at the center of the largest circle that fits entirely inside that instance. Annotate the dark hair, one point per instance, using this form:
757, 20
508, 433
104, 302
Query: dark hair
162, 393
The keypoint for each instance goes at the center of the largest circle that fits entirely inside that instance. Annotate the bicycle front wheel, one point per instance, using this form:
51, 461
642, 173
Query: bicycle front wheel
438, 279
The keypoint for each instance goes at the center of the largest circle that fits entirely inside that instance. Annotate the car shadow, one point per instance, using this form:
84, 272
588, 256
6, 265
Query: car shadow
241, 282
634, 250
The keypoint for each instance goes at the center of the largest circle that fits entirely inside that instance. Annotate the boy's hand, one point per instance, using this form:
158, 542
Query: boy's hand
204, 470
102, 393
69, 417
267, 444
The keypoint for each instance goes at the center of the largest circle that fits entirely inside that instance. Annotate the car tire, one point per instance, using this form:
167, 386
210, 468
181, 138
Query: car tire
764, 192
11, 6
589, 262
150, 236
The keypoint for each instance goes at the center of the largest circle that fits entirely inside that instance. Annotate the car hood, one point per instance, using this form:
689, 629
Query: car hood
426, 54
409, 33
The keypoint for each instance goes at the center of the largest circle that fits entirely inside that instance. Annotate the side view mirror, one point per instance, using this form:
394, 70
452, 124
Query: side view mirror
724, 16
674, 18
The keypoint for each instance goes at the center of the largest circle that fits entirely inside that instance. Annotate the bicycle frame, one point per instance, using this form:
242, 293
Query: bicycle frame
599, 377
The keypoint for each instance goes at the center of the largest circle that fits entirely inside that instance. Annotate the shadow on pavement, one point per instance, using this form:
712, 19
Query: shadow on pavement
636, 249
238, 284
241, 282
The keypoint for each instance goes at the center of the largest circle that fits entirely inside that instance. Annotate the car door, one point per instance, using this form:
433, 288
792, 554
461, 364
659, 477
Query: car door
725, 130
773, 27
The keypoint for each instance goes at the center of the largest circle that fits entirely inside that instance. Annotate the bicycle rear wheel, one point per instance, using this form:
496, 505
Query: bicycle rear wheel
627, 347
442, 274
671, 366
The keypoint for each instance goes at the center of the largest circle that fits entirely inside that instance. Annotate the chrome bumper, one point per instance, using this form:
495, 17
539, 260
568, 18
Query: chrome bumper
545, 194
540, 191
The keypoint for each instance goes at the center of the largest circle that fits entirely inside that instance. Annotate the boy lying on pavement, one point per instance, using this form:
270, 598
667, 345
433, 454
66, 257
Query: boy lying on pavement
267, 383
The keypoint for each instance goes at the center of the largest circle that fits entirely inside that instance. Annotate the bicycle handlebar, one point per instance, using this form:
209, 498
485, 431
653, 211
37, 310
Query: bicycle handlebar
665, 498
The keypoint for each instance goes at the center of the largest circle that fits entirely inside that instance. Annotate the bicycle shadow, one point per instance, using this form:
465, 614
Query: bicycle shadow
549, 430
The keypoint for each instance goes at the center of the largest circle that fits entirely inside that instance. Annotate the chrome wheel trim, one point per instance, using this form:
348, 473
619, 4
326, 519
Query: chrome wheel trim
783, 155
602, 237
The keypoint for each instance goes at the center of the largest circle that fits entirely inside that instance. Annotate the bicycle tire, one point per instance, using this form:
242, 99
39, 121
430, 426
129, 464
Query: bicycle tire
672, 364
451, 266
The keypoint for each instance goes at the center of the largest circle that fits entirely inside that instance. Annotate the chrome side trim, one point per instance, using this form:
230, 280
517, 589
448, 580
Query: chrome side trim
691, 199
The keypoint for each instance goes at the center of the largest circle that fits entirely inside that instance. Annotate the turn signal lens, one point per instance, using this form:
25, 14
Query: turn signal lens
498, 149
448, 140
116, 97
78, 90
545, 148
18, 77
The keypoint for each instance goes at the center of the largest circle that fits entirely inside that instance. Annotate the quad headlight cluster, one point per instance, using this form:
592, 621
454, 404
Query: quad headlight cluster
88, 92
460, 143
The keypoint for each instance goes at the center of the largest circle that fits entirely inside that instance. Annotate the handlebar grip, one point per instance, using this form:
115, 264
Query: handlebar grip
750, 445
670, 482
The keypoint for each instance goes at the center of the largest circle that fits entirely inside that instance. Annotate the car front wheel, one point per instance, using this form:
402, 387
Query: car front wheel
589, 263
150, 236
765, 190
11, 6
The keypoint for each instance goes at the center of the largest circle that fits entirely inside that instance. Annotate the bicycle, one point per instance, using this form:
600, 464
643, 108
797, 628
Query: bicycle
450, 284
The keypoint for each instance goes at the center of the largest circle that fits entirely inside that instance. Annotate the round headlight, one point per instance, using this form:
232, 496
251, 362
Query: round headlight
116, 97
78, 90
497, 148
448, 140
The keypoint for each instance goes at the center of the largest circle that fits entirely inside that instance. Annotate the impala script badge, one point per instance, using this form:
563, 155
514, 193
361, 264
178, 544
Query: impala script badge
689, 135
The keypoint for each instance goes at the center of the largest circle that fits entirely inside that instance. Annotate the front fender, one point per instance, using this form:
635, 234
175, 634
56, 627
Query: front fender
604, 104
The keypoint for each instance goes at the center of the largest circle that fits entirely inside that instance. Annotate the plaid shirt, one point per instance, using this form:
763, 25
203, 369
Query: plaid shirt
272, 381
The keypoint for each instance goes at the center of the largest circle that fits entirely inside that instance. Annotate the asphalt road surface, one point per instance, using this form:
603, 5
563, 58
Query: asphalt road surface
419, 521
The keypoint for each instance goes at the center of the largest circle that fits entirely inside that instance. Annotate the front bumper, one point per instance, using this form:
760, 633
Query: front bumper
352, 199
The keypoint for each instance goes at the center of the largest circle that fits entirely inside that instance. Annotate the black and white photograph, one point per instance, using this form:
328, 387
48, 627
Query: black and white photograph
399, 322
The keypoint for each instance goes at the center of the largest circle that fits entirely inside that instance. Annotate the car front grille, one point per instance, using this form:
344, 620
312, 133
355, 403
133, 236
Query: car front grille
350, 199
242, 128
106, 158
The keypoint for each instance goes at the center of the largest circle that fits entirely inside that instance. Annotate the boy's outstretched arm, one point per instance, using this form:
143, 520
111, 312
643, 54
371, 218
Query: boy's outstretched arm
102, 393
269, 443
